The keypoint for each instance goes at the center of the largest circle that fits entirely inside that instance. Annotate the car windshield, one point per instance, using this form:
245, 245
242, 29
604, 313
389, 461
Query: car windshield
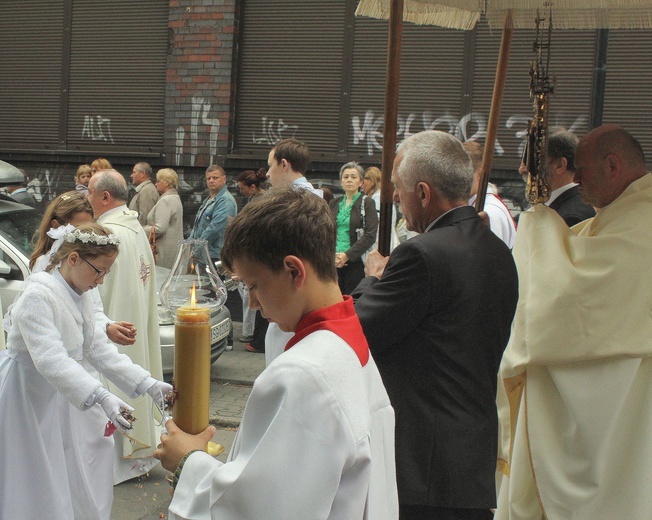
18, 228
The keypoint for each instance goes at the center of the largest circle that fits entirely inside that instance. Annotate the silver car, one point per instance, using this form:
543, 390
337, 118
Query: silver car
17, 225
220, 328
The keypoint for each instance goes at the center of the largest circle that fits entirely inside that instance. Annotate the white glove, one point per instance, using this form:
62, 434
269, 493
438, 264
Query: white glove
112, 406
159, 390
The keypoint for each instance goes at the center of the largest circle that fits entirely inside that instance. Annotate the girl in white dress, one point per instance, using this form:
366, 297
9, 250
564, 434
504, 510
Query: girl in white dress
44, 471
73, 208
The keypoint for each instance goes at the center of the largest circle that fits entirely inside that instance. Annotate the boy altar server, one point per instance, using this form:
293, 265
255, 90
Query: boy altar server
317, 434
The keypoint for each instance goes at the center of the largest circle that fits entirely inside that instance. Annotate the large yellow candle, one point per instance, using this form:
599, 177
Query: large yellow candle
192, 364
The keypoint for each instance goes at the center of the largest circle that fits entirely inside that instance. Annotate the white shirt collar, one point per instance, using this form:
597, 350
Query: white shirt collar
556, 193
430, 226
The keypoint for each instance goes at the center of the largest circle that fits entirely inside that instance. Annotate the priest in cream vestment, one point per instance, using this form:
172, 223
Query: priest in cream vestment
129, 294
578, 368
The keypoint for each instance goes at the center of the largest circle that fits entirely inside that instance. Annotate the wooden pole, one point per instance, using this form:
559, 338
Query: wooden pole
390, 124
494, 113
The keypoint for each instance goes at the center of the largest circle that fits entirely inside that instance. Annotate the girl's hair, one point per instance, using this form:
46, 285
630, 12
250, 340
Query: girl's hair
85, 249
84, 168
374, 175
100, 164
62, 209
168, 175
252, 178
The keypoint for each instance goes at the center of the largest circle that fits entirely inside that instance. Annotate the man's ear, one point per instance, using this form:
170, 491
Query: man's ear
285, 164
424, 192
614, 163
558, 165
295, 267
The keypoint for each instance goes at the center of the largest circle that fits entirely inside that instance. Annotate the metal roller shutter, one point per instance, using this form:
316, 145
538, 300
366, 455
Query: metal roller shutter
31, 40
432, 77
118, 63
290, 76
627, 92
571, 62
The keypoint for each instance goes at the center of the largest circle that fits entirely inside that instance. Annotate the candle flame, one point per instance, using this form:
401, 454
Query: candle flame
193, 299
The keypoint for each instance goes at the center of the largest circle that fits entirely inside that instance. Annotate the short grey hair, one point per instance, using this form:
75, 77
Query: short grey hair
353, 166
145, 168
438, 159
112, 182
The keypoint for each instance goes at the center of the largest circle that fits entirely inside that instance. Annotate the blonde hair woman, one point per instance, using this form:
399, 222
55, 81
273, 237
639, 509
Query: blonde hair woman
165, 219
371, 186
100, 164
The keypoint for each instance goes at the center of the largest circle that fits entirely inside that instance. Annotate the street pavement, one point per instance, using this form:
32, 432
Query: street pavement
232, 377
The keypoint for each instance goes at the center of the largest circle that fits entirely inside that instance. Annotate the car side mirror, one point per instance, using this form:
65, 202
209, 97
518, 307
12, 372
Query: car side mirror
4, 268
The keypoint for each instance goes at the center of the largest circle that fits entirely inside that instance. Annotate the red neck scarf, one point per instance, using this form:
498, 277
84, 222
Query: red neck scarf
339, 319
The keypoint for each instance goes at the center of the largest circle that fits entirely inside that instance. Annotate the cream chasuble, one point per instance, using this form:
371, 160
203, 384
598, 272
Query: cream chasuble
129, 294
577, 369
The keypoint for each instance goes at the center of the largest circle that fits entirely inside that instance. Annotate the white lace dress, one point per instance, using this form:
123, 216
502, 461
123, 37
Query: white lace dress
55, 462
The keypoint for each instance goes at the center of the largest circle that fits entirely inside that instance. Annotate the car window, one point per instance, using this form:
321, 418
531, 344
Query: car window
18, 228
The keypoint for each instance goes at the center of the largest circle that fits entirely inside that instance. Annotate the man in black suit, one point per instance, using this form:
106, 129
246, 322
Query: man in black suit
565, 196
437, 315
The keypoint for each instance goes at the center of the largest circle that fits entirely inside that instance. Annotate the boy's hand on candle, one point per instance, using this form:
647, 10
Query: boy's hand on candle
121, 332
176, 443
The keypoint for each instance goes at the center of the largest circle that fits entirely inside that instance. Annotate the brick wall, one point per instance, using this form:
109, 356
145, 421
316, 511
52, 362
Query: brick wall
200, 83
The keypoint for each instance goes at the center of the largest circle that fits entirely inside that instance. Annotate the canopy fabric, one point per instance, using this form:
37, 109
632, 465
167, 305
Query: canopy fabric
566, 14
464, 14
426, 12
574, 17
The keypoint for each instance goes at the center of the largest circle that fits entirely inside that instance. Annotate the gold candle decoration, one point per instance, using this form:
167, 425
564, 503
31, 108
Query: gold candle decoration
192, 363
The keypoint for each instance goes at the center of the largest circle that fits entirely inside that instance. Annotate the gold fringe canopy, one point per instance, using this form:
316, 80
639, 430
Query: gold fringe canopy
568, 14
425, 12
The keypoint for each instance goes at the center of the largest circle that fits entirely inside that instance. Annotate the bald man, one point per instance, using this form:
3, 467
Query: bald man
129, 293
578, 367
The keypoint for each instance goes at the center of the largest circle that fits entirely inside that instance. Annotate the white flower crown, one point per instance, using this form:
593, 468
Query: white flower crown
94, 238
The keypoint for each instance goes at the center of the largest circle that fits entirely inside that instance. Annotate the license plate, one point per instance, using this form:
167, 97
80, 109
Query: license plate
220, 331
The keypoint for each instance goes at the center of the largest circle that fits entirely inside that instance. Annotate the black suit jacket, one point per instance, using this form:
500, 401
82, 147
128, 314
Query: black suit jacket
437, 323
571, 207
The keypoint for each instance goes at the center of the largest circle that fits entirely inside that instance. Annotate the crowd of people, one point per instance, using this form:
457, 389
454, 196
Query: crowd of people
477, 372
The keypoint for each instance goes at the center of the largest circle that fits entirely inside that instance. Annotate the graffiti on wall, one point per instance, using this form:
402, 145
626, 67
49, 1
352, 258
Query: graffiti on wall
97, 128
471, 127
369, 129
199, 116
273, 131
180, 135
